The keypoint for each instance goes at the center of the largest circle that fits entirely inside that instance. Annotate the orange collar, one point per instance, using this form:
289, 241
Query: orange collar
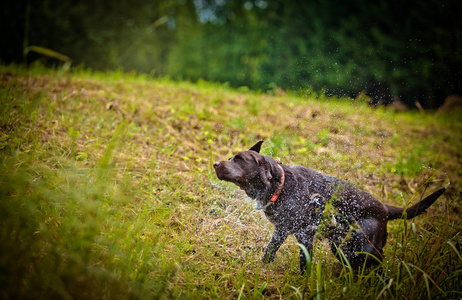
281, 185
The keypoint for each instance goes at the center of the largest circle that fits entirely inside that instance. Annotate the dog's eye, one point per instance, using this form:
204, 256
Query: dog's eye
237, 157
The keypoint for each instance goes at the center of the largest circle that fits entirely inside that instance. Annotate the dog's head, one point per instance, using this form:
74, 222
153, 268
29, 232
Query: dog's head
247, 169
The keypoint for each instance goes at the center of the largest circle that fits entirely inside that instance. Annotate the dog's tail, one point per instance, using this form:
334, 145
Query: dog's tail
415, 210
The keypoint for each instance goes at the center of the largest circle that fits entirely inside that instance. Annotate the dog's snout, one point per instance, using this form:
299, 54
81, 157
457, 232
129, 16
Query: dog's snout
216, 165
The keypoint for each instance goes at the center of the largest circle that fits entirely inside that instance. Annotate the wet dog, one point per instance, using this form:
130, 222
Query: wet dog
302, 202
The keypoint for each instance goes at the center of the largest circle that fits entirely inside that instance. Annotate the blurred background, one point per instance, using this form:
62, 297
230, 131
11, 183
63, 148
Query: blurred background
388, 49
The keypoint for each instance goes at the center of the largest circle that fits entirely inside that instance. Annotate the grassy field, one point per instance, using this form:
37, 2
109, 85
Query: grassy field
107, 190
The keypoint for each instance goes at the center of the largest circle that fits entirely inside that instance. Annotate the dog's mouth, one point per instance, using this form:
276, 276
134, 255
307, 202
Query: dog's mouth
225, 174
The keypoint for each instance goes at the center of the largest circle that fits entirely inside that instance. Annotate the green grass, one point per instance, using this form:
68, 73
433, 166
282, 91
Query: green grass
107, 190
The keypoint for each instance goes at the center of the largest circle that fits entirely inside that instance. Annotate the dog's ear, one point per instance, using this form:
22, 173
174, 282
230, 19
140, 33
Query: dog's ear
256, 147
265, 171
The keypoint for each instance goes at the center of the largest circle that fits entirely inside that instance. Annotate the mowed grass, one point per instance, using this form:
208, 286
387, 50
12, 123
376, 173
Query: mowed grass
107, 190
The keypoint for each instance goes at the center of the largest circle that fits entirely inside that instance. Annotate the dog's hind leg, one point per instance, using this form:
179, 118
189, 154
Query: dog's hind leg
305, 239
364, 245
279, 236
374, 233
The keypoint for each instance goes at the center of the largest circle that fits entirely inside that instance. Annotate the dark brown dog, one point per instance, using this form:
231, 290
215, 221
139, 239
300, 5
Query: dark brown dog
301, 202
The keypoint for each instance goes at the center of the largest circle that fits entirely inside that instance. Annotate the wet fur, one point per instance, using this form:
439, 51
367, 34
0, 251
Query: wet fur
351, 219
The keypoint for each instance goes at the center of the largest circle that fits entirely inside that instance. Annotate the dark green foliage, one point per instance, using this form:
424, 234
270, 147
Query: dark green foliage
390, 49
406, 49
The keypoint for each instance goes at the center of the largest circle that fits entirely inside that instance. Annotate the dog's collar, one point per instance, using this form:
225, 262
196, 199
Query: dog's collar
281, 184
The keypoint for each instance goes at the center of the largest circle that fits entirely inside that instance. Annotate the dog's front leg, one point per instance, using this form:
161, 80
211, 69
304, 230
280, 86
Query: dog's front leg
279, 236
305, 238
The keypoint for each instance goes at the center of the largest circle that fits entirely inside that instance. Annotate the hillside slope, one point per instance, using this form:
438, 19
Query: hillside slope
108, 191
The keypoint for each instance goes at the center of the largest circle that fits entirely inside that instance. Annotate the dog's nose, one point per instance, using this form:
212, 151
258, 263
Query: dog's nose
215, 165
